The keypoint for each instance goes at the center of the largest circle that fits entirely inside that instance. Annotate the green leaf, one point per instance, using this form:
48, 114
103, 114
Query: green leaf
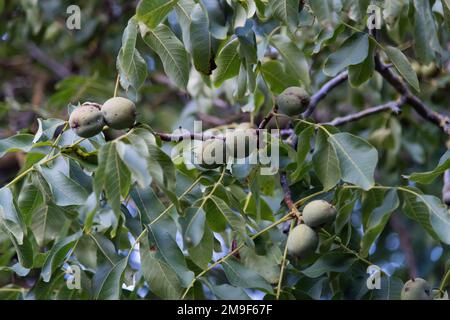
286, 11
247, 41
161, 167
330, 262
9, 217
303, 148
29, 201
403, 66
267, 265
202, 254
446, 8
377, 221
46, 129
25, 252
227, 292
57, 255
236, 221
159, 164
429, 211
170, 50
47, 222
326, 162
227, 61
360, 73
357, 159
19, 142
148, 204
429, 176
243, 277
112, 176
107, 282
345, 206
426, 41
201, 42
161, 278
135, 74
65, 190
193, 226
169, 251
128, 44
296, 63
135, 163
325, 10
153, 12
277, 78
183, 9
391, 288
353, 50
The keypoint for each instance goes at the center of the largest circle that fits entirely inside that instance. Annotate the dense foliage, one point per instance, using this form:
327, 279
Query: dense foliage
122, 210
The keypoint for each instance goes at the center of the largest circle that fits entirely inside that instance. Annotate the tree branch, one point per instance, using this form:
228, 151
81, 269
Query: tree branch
399, 85
40, 56
394, 106
323, 91
190, 135
267, 118
288, 197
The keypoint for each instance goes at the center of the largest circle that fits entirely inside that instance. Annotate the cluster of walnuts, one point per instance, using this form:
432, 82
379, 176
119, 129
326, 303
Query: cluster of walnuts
242, 141
89, 119
303, 239
118, 113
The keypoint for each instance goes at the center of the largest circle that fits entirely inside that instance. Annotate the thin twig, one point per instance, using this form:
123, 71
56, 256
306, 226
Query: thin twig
267, 118
185, 136
60, 70
400, 86
288, 197
283, 263
394, 106
231, 253
338, 241
323, 91
445, 281
116, 88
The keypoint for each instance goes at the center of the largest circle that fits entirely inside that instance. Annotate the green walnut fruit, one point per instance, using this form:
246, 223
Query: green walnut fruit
87, 120
293, 101
416, 289
318, 212
211, 153
241, 142
302, 241
119, 113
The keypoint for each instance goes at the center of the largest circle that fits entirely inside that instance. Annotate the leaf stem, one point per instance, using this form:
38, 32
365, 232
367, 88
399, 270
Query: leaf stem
283, 219
116, 88
283, 263
179, 198
445, 281
136, 242
338, 241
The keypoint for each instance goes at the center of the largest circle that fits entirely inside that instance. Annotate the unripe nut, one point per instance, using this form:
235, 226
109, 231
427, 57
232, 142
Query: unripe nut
417, 289
293, 101
318, 213
86, 120
119, 113
302, 241
207, 153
